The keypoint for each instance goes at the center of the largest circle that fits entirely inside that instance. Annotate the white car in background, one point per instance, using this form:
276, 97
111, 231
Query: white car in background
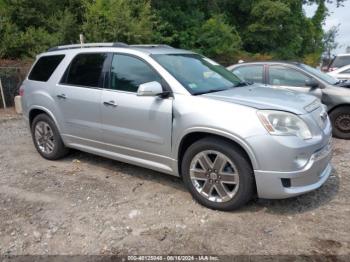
342, 73
338, 61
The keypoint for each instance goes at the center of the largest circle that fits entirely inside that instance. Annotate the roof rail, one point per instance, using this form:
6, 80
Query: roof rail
152, 46
63, 47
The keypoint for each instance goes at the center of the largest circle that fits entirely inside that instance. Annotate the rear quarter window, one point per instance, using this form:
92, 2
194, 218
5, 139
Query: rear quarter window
44, 67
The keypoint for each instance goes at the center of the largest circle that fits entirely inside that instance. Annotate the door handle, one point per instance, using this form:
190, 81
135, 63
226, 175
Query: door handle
110, 103
62, 96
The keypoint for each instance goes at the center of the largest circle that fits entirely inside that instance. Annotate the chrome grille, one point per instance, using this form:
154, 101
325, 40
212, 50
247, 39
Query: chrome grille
321, 117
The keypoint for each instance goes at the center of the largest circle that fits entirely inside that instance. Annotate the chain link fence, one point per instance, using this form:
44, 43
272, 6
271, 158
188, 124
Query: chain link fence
11, 79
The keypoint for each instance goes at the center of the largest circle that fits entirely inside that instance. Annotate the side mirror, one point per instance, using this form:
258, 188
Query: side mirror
311, 83
150, 89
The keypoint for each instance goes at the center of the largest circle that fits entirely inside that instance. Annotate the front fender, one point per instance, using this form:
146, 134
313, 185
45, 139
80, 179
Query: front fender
240, 141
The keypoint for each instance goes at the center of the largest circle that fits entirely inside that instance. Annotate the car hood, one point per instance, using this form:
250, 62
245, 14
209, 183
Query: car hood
268, 98
337, 90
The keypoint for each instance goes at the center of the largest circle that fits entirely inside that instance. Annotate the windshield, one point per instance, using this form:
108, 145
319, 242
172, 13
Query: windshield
327, 78
198, 74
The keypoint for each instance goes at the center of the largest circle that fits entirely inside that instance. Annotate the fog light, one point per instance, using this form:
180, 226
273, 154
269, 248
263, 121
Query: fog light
286, 182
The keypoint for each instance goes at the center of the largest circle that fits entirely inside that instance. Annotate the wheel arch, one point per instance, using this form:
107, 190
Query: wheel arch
194, 135
37, 110
338, 106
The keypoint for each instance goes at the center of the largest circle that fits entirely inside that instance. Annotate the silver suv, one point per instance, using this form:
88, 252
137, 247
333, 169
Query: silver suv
179, 113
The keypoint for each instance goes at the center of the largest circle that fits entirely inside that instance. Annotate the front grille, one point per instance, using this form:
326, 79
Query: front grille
323, 152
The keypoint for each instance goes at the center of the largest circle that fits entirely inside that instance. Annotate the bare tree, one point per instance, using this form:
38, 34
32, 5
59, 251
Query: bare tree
329, 41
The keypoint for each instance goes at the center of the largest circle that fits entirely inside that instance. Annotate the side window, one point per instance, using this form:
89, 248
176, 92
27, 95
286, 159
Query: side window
284, 76
253, 73
44, 67
85, 70
128, 72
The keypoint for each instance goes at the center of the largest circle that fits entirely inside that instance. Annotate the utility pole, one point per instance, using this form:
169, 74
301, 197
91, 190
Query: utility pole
2, 95
81, 38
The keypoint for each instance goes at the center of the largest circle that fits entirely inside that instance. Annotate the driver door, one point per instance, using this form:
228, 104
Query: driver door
289, 78
135, 125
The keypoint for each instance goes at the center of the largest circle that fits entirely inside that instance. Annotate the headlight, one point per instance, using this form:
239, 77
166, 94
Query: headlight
281, 123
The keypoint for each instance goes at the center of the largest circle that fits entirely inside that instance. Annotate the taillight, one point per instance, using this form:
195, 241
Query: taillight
21, 91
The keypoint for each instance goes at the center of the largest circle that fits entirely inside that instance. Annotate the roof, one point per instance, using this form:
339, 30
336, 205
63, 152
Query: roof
269, 62
272, 62
343, 54
148, 49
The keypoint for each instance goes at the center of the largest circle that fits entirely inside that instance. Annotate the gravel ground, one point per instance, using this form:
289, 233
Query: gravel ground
86, 204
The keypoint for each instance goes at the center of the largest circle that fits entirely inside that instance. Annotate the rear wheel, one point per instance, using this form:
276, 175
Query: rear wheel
340, 118
47, 139
217, 174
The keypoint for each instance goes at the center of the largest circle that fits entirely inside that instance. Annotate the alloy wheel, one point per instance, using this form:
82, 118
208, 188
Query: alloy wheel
44, 137
214, 176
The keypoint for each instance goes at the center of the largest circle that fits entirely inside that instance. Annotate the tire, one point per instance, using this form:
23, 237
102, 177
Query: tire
48, 144
236, 165
340, 118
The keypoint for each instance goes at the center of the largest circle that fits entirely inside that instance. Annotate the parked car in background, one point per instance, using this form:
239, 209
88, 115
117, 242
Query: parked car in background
303, 78
339, 61
342, 73
180, 113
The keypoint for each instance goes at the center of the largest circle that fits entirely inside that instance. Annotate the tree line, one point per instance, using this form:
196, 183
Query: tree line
222, 29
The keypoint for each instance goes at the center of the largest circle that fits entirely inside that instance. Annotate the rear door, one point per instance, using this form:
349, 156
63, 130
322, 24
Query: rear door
284, 77
131, 124
78, 96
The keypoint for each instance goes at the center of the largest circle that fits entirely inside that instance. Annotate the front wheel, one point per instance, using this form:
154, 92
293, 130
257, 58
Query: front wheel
340, 118
217, 174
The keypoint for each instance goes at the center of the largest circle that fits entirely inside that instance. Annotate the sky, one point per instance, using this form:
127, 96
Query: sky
337, 16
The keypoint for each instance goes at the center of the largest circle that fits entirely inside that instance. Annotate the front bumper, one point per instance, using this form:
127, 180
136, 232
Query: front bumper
278, 185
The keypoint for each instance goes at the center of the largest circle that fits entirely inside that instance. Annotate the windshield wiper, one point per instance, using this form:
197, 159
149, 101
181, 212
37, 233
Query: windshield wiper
239, 84
243, 83
209, 91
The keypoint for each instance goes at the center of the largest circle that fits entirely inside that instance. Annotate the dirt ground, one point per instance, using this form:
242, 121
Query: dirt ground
86, 204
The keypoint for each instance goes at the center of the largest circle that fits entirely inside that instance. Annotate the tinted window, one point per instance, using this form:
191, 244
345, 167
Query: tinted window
340, 61
283, 76
128, 72
44, 67
252, 73
85, 70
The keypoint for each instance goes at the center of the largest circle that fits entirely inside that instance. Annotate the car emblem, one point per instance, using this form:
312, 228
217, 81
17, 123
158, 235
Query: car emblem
323, 115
